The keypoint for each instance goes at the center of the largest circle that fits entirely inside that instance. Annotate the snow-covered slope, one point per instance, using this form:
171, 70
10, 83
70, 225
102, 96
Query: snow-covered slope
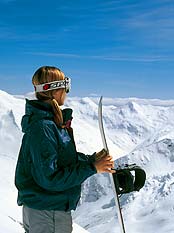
11, 111
138, 131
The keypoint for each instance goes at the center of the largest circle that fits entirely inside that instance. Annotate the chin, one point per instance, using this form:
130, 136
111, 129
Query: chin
61, 103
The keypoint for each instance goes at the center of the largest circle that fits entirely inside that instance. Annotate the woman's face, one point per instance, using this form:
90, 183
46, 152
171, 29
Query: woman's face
60, 96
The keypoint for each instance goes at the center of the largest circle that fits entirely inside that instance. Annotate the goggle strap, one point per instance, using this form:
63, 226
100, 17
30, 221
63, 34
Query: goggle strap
53, 85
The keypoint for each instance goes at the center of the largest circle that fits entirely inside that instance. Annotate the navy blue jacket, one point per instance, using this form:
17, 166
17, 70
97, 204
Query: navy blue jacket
49, 170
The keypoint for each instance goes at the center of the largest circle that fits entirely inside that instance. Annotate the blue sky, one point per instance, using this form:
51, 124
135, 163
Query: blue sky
121, 48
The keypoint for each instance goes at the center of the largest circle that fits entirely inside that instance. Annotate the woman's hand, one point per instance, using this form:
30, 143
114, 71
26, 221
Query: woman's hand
105, 164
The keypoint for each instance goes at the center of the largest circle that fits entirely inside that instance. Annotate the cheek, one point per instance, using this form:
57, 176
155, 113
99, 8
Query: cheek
63, 97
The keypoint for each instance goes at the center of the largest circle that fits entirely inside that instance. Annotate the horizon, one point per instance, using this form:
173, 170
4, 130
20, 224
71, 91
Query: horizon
105, 98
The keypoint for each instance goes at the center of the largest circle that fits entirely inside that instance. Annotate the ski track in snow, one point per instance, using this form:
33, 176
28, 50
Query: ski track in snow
137, 130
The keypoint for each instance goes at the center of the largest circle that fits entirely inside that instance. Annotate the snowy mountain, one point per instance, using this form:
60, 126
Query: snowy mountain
138, 131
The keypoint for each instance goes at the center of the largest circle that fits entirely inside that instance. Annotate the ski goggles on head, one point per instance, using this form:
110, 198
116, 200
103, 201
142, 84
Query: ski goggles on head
66, 84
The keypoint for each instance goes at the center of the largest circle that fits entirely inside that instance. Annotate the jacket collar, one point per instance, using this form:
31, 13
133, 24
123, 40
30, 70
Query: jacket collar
37, 109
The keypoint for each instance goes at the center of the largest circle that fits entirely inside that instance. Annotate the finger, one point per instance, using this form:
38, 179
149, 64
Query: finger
109, 170
108, 157
108, 166
108, 163
112, 171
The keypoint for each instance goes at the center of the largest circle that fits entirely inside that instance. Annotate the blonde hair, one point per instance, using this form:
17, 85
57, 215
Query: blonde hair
47, 74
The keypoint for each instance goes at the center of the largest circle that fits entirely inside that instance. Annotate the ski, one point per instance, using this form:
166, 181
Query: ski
101, 127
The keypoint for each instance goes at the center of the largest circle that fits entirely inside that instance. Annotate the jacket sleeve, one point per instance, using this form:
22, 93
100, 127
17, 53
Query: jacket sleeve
45, 170
86, 158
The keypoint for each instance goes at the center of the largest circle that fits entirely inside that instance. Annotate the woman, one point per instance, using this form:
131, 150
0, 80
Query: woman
49, 170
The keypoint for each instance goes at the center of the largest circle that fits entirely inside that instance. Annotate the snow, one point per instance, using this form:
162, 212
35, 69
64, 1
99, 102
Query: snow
138, 131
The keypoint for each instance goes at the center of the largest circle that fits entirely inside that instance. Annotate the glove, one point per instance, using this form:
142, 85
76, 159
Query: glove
100, 154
